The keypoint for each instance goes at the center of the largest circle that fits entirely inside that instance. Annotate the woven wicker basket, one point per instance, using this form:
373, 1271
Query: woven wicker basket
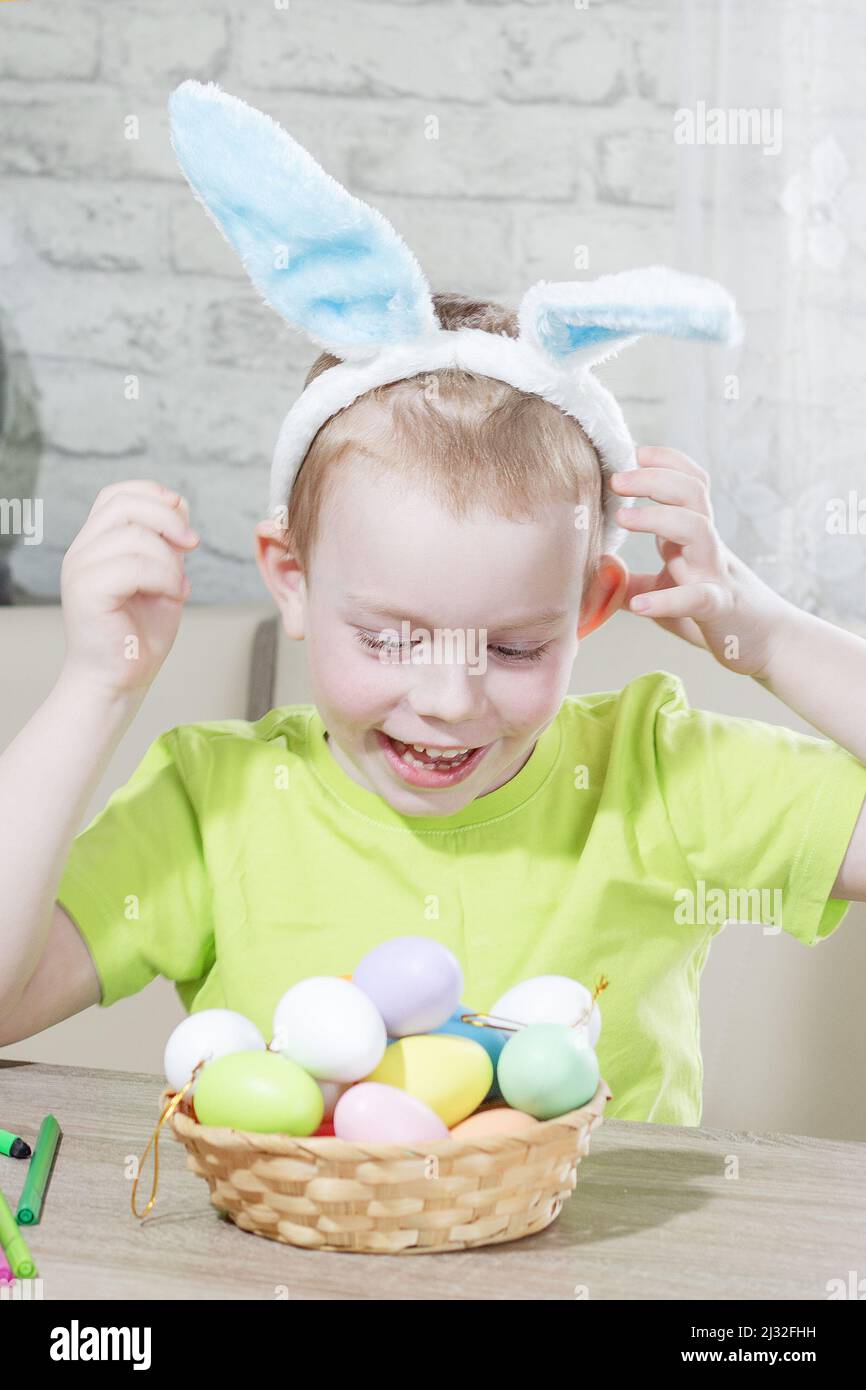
389, 1199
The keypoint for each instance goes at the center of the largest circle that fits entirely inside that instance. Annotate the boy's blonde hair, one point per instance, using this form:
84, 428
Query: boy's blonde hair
470, 441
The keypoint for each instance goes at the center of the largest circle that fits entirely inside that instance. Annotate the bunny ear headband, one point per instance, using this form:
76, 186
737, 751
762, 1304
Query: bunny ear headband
335, 268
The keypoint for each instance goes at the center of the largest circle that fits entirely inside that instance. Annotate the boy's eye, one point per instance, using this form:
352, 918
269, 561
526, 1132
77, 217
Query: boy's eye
521, 653
378, 643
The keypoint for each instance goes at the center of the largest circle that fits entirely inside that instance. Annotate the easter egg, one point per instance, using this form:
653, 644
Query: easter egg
331, 1092
491, 1039
548, 1069
371, 1113
414, 982
325, 1130
550, 999
486, 1124
451, 1075
329, 1027
203, 1036
259, 1091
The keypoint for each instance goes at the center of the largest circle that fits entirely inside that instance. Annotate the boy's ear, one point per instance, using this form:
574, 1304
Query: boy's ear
604, 595
283, 577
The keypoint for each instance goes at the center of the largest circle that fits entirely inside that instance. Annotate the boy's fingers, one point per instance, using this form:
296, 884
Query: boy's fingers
703, 602
658, 456
142, 487
147, 486
664, 485
640, 584
128, 574
679, 524
125, 508
130, 539
686, 628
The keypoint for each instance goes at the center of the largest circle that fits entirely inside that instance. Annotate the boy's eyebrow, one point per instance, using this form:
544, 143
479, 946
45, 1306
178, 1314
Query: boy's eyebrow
373, 603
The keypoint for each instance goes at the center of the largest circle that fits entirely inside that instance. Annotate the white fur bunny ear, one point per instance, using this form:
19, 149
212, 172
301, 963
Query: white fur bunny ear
330, 264
583, 322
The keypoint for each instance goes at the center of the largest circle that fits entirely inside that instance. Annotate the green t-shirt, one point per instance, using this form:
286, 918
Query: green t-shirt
240, 858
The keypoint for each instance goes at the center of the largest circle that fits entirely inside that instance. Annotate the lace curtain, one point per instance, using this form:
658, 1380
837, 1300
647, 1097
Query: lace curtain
782, 422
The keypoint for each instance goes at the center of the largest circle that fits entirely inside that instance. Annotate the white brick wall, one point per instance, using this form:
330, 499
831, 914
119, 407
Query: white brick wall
554, 132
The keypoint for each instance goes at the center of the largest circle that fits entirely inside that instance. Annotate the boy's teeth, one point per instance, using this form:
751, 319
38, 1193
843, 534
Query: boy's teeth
442, 763
438, 757
439, 752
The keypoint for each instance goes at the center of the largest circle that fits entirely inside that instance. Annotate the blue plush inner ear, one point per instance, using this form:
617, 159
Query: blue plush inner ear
580, 323
564, 338
562, 332
331, 314
328, 263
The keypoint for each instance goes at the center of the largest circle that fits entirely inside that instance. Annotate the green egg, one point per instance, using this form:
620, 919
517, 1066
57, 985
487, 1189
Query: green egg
547, 1069
259, 1091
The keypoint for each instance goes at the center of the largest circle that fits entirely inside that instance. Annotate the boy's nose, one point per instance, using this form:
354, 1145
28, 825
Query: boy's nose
449, 692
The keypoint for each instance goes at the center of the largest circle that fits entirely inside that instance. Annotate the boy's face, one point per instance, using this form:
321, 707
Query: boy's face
493, 609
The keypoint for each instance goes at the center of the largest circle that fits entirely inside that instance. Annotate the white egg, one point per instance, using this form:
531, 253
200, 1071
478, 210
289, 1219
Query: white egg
204, 1035
549, 999
330, 1028
332, 1090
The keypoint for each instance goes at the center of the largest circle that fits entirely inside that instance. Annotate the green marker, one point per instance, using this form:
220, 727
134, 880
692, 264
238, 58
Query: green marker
13, 1146
17, 1253
38, 1172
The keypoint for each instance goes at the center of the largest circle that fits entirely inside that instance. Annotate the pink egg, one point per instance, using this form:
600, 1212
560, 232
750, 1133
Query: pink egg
371, 1113
485, 1124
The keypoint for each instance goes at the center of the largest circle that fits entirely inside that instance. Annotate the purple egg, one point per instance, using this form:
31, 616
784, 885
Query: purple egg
415, 983
370, 1113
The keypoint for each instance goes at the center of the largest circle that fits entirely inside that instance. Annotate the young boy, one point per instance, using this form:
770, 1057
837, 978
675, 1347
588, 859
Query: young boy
441, 540
470, 800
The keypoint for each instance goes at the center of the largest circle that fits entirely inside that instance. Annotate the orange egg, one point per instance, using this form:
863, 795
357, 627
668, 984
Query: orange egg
486, 1124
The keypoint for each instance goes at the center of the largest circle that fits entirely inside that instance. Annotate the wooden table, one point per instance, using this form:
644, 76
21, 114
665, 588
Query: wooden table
657, 1214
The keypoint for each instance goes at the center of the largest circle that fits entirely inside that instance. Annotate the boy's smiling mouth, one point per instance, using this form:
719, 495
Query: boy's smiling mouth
430, 765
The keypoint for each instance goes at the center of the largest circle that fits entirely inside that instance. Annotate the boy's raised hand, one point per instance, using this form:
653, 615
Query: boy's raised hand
703, 592
123, 586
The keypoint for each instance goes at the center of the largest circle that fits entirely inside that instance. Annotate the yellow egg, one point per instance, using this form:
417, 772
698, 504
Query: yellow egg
452, 1075
488, 1123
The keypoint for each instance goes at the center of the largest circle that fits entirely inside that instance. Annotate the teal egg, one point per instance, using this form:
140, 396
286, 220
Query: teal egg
547, 1069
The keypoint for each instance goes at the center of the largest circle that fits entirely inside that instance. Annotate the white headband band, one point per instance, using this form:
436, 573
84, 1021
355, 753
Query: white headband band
488, 354
335, 268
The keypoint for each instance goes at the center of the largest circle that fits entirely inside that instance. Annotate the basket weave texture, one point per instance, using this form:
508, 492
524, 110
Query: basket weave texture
389, 1199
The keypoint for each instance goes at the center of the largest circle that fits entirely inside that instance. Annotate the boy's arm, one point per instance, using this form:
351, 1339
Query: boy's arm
64, 983
123, 588
47, 776
707, 595
851, 879
819, 671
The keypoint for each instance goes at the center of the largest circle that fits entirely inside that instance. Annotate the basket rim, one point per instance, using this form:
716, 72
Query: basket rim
587, 1115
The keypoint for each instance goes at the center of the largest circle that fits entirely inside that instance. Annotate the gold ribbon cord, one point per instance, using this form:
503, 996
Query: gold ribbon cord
167, 1113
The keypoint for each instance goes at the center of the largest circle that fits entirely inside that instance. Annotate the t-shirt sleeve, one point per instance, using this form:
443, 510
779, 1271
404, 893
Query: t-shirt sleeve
756, 806
135, 881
